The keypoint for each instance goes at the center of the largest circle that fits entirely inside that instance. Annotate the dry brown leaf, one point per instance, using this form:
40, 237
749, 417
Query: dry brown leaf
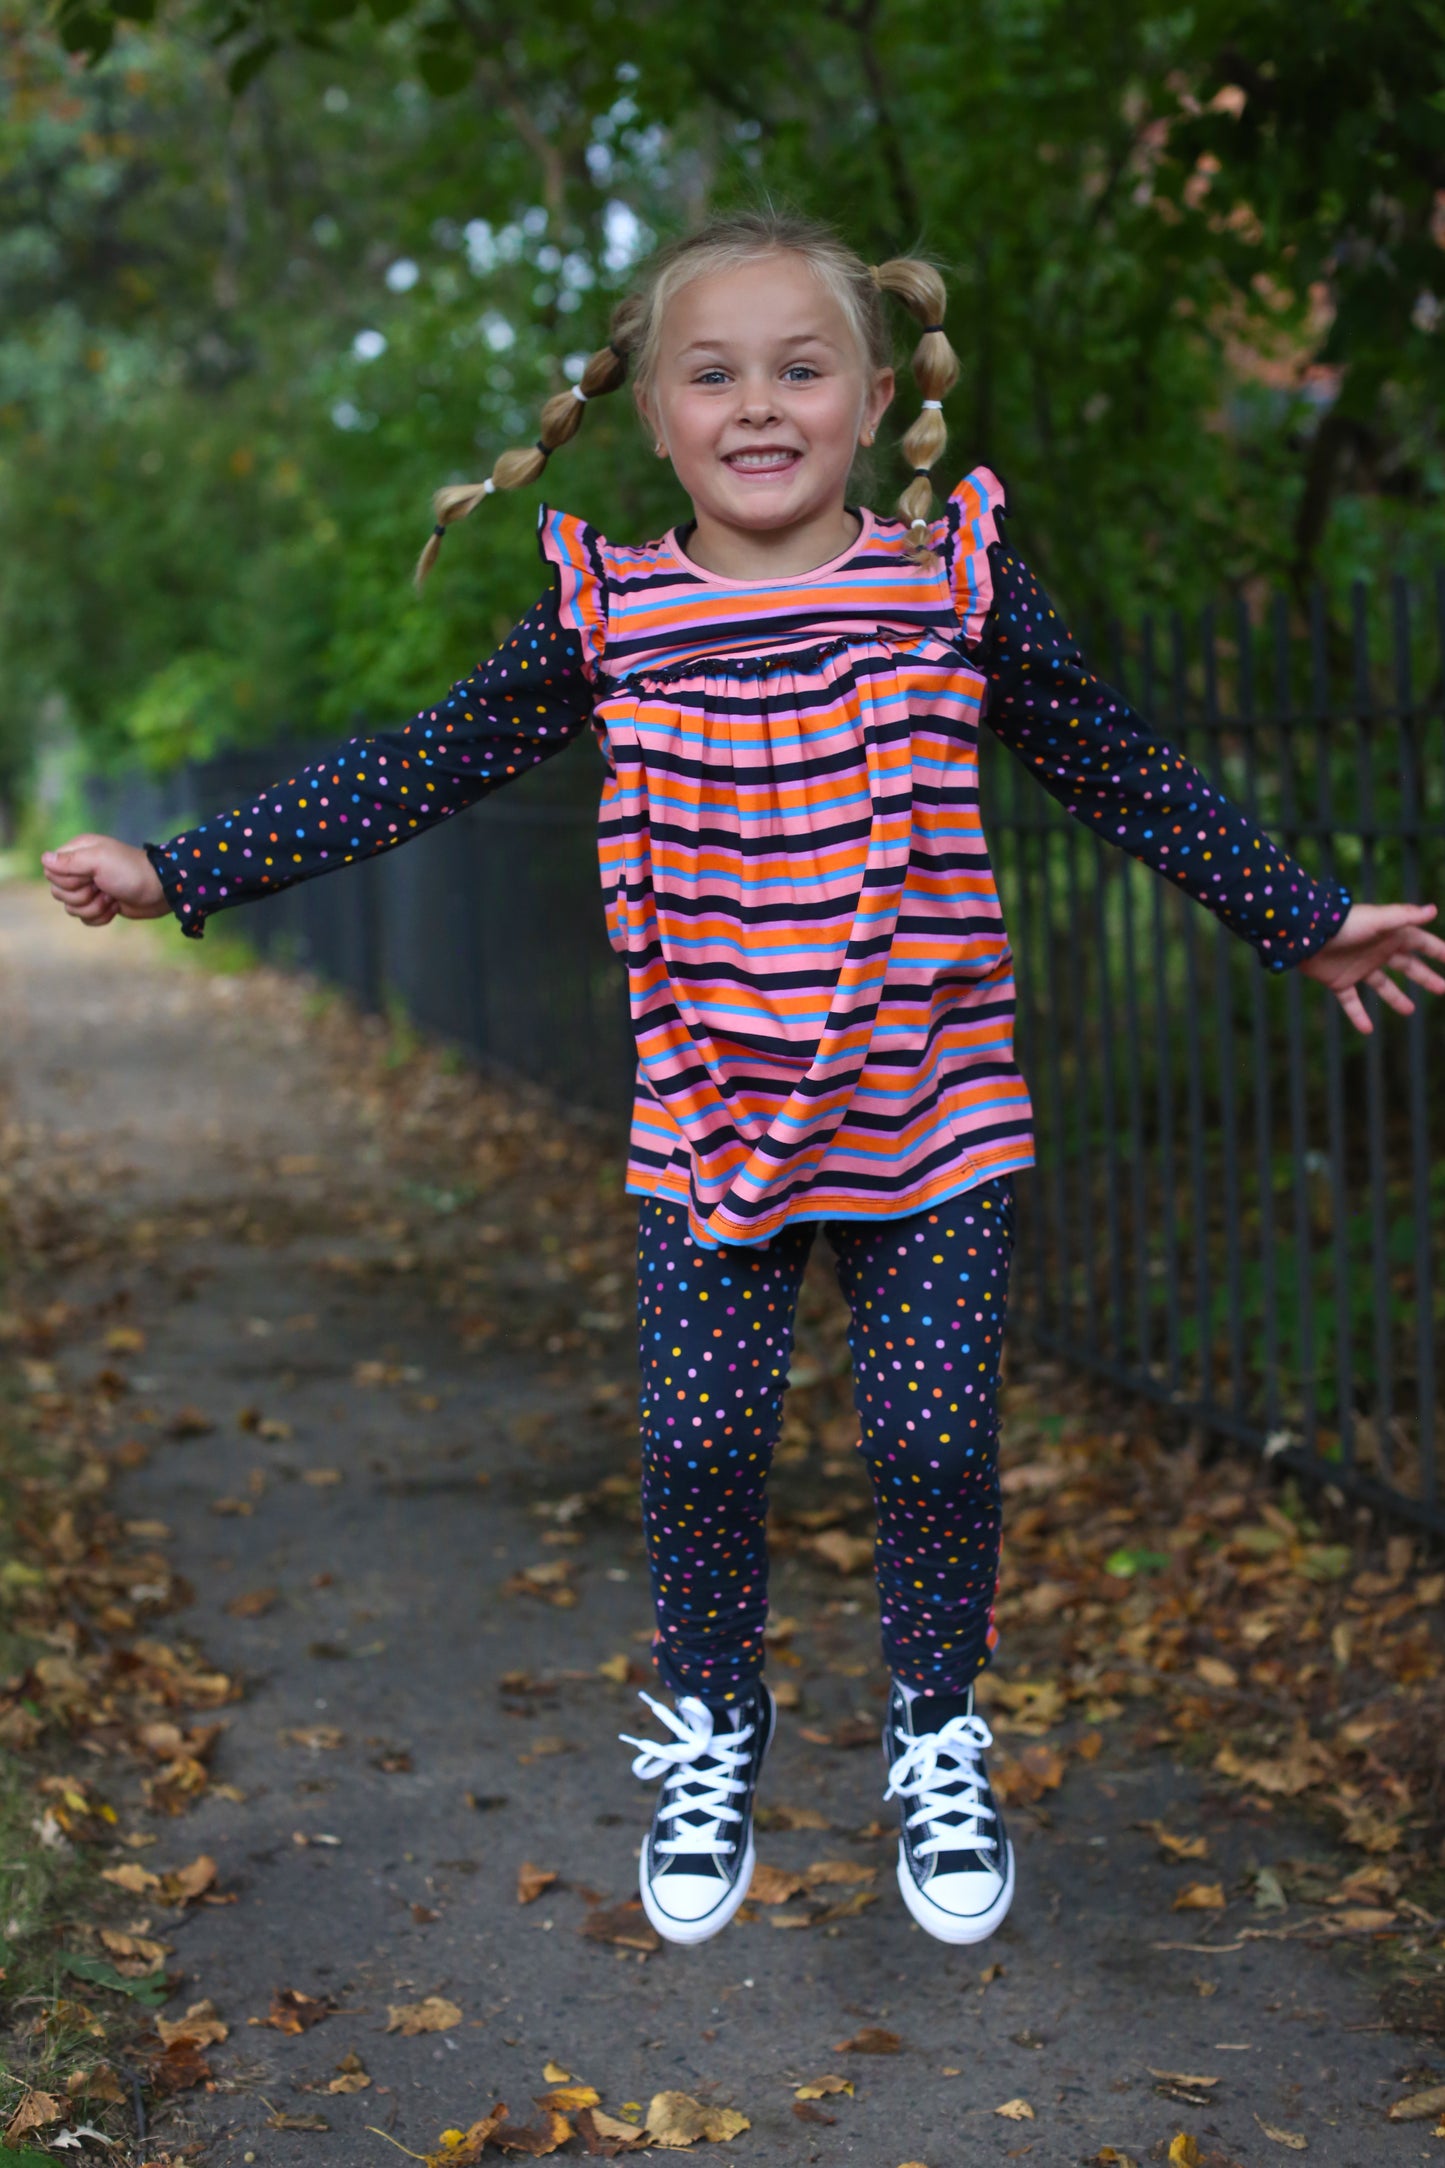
1215, 1672
321, 1738
201, 2024
433, 2014
1294, 2139
605, 2136
870, 2040
33, 2113
826, 1873
806, 2113
1021, 1779
533, 1881
1181, 2077
676, 2120
278, 2119
1200, 1897
183, 1885
790, 1818
1175, 1845
131, 1876
624, 1925
821, 2088
1017, 2111
567, 2099
294, 2012
255, 1603
1365, 1919
534, 2139
1415, 2107
846, 1908
850, 1554
135, 1951
180, 2068
351, 2076
775, 1885
1109, 2156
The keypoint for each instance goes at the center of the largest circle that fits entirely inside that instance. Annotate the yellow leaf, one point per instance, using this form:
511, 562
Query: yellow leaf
350, 2077
433, 2014
533, 1881
1200, 1897
820, 2088
1017, 2111
555, 2074
1183, 2152
614, 1668
676, 2119
200, 2024
569, 2098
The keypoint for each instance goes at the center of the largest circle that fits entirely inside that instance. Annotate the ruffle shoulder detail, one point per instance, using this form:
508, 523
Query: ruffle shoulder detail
579, 553
962, 538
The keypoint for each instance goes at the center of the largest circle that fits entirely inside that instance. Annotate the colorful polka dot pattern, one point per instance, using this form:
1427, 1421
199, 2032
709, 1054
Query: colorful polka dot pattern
927, 1296
517, 708
1091, 752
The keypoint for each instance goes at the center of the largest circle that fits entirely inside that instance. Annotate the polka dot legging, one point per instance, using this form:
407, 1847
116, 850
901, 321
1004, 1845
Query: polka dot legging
927, 1296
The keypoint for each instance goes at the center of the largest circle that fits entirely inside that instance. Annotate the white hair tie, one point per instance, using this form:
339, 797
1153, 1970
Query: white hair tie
936, 404
488, 486
579, 394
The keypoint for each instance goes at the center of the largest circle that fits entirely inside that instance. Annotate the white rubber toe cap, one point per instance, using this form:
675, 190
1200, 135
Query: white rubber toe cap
959, 1907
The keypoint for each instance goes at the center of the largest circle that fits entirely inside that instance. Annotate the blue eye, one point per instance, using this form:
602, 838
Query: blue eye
806, 368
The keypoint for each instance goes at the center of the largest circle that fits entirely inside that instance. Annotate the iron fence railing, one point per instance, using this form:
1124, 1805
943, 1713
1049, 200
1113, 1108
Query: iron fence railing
1238, 1203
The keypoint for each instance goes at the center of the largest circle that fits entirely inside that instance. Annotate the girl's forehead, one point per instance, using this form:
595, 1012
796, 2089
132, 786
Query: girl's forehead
760, 302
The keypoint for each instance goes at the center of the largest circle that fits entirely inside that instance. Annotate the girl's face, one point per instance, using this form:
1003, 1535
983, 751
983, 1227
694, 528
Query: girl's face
760, 398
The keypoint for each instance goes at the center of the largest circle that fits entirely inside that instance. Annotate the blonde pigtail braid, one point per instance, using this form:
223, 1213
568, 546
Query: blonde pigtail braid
935, 366
606, 371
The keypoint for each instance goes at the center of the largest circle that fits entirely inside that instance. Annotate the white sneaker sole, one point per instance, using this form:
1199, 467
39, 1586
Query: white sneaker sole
947, 1926
703, 1930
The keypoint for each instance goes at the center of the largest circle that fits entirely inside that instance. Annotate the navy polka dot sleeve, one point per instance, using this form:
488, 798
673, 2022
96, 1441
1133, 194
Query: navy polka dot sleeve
1107, 768
519, 707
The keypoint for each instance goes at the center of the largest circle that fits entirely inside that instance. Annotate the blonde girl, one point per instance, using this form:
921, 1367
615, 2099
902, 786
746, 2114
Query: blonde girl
786, 692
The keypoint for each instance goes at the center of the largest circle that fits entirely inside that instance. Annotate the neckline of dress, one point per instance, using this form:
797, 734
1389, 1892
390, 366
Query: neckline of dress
673, 544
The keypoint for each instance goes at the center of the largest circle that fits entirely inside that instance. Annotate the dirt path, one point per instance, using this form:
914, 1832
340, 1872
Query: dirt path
413, 1344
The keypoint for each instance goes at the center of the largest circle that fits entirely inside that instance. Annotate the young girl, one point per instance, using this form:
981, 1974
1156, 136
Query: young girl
786, 691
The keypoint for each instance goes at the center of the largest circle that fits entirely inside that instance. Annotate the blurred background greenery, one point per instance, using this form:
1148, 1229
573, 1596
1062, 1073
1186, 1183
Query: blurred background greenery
271, 270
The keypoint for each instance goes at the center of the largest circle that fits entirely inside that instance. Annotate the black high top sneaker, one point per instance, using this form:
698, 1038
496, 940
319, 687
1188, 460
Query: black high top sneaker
698, 1857
955, 1863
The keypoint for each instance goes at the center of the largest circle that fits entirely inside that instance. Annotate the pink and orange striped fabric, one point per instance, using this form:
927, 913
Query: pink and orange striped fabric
795, 872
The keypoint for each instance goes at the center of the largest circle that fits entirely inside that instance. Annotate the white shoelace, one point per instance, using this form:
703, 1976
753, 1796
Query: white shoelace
701, 1772
920, 1773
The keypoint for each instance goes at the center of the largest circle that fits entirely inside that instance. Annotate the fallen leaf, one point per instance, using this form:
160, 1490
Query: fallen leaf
1017, 2111
624, 1925
850, 1554
605, 2136
555, 2074
33, 2113
130, 1875
189, 1423
790, 1818
1365, 1919
532, 1881
350, 2077
1181, 2077
870, 2040
775, 1885
1415, 2107
1215, 1672
1199, 1897
1183, 2152
321, 1478
567, 2099
614, 1668
183, 1885
180, 2068
807, 2114
200, 2024
827, 1873
1294, 2139
433, 2014
294, 2012
676, 2119
821, 2088
321, 1738
1109, 2156
278, 2119
533, 2138
1174, 1845
1021, 1779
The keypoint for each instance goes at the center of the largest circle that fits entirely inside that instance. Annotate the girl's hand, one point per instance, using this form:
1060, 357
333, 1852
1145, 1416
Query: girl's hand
1376, 939
98, 879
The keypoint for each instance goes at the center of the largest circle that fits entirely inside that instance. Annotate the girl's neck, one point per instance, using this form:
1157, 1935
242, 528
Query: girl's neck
751, 553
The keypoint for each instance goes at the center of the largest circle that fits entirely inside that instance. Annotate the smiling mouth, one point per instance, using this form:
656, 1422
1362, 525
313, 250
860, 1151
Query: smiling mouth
766, 459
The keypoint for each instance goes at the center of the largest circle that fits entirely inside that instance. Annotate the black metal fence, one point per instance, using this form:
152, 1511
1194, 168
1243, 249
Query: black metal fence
1238, 1203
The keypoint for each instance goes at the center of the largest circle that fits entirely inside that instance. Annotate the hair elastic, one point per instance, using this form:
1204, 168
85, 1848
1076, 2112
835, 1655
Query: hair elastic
923, 471
935, 404
488, 486
579, 394
439, 530
618, 351
933, 327
544, 449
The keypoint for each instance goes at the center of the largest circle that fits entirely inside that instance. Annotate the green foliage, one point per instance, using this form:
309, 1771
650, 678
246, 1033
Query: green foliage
274, 269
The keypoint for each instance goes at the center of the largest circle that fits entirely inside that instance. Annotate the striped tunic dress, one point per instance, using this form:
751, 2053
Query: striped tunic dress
793, 866
795, 873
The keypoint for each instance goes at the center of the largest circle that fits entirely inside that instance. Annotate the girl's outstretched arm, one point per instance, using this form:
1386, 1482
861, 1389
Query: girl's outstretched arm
1118, 777
519, 707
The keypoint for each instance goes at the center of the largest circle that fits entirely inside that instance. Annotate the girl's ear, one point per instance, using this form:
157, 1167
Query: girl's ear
880, 398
